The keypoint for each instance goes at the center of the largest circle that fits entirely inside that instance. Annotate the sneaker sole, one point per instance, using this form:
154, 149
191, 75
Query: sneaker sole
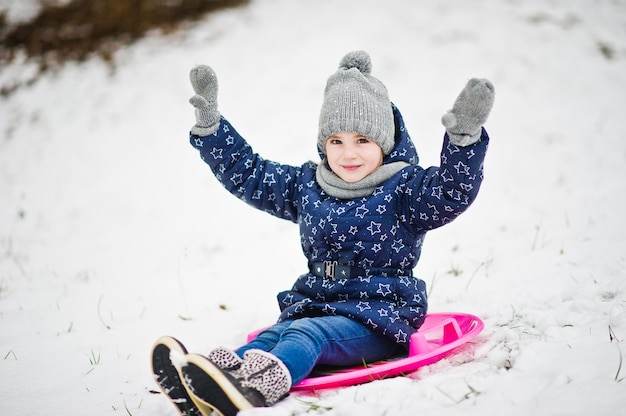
211, 389
168, 378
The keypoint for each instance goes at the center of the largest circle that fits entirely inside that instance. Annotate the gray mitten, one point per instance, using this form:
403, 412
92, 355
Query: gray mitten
204, 83
470, 111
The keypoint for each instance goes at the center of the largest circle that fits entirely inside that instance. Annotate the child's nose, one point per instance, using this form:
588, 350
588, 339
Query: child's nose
350, 152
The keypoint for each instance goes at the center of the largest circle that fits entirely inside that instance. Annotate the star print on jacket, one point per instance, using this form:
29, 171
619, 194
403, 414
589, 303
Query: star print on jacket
380, 234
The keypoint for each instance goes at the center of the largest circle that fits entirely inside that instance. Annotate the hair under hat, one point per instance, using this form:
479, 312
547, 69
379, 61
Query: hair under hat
356, 102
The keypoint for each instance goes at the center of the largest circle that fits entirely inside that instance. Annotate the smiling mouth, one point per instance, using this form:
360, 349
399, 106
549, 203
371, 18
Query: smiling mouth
351, 167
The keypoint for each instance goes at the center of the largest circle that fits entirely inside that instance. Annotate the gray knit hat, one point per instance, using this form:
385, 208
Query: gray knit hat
355, 101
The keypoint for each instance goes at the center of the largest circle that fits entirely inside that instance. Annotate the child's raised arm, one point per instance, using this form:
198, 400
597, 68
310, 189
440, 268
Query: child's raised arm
448, 190
263, 184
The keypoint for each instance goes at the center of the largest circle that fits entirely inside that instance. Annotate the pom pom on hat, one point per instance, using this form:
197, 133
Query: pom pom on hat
359, 60
356, 102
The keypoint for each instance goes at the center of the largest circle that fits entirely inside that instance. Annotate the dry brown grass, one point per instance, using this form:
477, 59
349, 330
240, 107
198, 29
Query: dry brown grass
76, 29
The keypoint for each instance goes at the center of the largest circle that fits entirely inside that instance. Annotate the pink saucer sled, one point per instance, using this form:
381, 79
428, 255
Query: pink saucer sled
437, 337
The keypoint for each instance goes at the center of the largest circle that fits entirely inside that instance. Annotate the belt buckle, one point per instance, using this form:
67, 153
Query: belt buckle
329, 269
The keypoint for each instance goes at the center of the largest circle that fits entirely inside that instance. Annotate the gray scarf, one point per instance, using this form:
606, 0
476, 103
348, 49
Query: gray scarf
333, 185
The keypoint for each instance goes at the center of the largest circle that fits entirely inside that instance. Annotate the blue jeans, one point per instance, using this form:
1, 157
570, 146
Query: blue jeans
302, 344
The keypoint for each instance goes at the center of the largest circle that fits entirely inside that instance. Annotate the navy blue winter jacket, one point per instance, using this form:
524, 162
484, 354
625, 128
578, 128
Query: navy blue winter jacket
379, 235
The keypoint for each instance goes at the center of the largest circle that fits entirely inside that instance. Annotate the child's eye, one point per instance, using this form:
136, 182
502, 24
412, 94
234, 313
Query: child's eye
335, 141
363, 140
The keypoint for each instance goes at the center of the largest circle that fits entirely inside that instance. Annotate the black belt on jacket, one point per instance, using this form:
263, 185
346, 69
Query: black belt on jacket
334, 270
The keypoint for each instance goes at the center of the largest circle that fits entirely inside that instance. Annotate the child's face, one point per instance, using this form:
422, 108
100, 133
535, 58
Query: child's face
352, 157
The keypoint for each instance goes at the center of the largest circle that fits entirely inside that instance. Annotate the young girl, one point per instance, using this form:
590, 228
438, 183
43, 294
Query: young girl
363, 212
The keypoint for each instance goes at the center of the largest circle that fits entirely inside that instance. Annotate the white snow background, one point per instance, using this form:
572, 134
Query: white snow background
114, 232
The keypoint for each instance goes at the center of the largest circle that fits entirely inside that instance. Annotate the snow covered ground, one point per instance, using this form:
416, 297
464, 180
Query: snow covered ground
113, 232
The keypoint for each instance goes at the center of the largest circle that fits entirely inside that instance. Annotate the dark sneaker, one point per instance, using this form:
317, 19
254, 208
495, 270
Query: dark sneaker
167, 376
